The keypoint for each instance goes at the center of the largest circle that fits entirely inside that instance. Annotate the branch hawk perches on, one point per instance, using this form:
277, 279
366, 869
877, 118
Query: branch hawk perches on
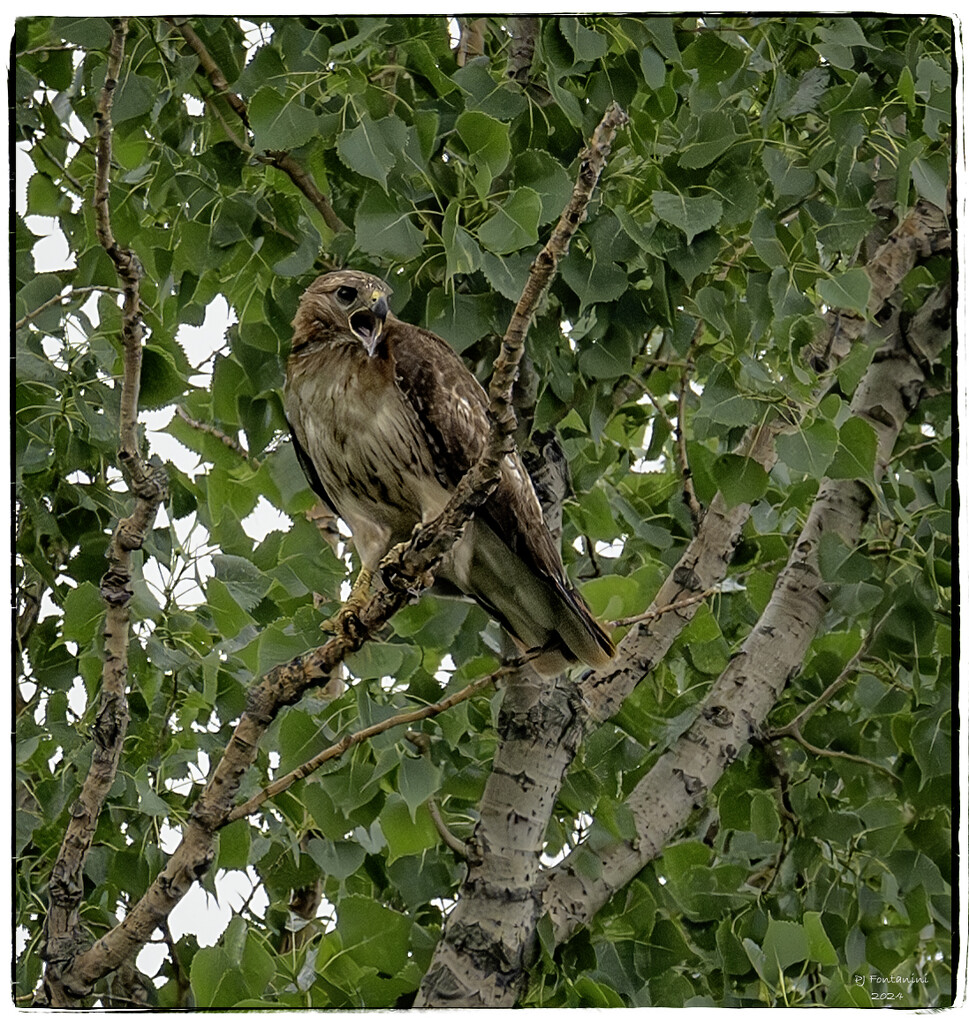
386, 419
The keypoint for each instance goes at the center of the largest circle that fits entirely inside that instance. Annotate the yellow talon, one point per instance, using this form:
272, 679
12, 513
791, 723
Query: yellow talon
354, 604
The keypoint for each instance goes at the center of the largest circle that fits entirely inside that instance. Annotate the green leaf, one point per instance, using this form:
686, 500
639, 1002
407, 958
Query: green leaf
376, 660
339, 858
931, 177
209, 968
850, 290
586, 43
593, 280
371, 147
300, 738
810, 449
83, 612
489, 146
149, 802
785, 943
840, 563
507, 274
373, 935
788, 180
135, 97
417, 779
383, 229
280, 122
161, 381
234, 846
715, 135
742, 481
514, 225
463, 254
821, 949
459, 318
487, 93
653, 67
406, 834
546, 175
690, 214
855, 458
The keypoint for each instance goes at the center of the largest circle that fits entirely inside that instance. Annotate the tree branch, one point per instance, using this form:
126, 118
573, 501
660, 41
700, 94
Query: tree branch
339, 748
149, 487
742, 697
280, 159
59, 298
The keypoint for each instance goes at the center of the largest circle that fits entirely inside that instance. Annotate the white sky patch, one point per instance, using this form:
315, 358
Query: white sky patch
201, 343
610, 549
263, 519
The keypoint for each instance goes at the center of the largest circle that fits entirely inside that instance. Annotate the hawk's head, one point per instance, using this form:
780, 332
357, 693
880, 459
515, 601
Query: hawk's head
352, 300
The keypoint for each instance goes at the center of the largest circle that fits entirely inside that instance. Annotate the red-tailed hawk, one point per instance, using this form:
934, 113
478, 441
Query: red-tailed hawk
386, 419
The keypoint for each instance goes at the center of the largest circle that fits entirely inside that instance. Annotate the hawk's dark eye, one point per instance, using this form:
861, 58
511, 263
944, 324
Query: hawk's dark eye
346, 294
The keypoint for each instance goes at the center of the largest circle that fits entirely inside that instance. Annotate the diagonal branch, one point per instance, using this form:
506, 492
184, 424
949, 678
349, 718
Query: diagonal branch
149, 487
353, 739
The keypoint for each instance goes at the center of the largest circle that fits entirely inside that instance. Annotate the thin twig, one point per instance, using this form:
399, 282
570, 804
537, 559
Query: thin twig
793, 726
68, 177
661, 412
59, 298
450, 840
207, 428
795, 733
353, 739
655, 613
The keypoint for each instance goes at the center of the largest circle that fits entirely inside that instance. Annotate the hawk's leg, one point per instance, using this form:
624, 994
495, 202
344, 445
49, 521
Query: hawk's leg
351, 608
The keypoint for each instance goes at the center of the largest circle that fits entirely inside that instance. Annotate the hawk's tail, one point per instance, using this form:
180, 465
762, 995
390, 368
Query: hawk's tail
581, 633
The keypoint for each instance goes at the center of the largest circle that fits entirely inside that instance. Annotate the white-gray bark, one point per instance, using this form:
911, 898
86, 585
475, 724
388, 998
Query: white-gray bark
742, 697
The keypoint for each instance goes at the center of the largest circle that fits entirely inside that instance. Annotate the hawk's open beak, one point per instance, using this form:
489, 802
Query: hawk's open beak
368, 324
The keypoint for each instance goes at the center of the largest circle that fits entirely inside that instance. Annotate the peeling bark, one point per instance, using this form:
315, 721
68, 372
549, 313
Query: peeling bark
490, 933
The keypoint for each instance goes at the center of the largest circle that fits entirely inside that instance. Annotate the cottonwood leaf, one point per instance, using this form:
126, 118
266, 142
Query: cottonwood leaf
855, 458
488, 143
809, 450
742, 481
850, 290
382, 229
280, 122
417, 779
371, 147
593, 280
515, 223
460, 249
785, 943
691, 214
